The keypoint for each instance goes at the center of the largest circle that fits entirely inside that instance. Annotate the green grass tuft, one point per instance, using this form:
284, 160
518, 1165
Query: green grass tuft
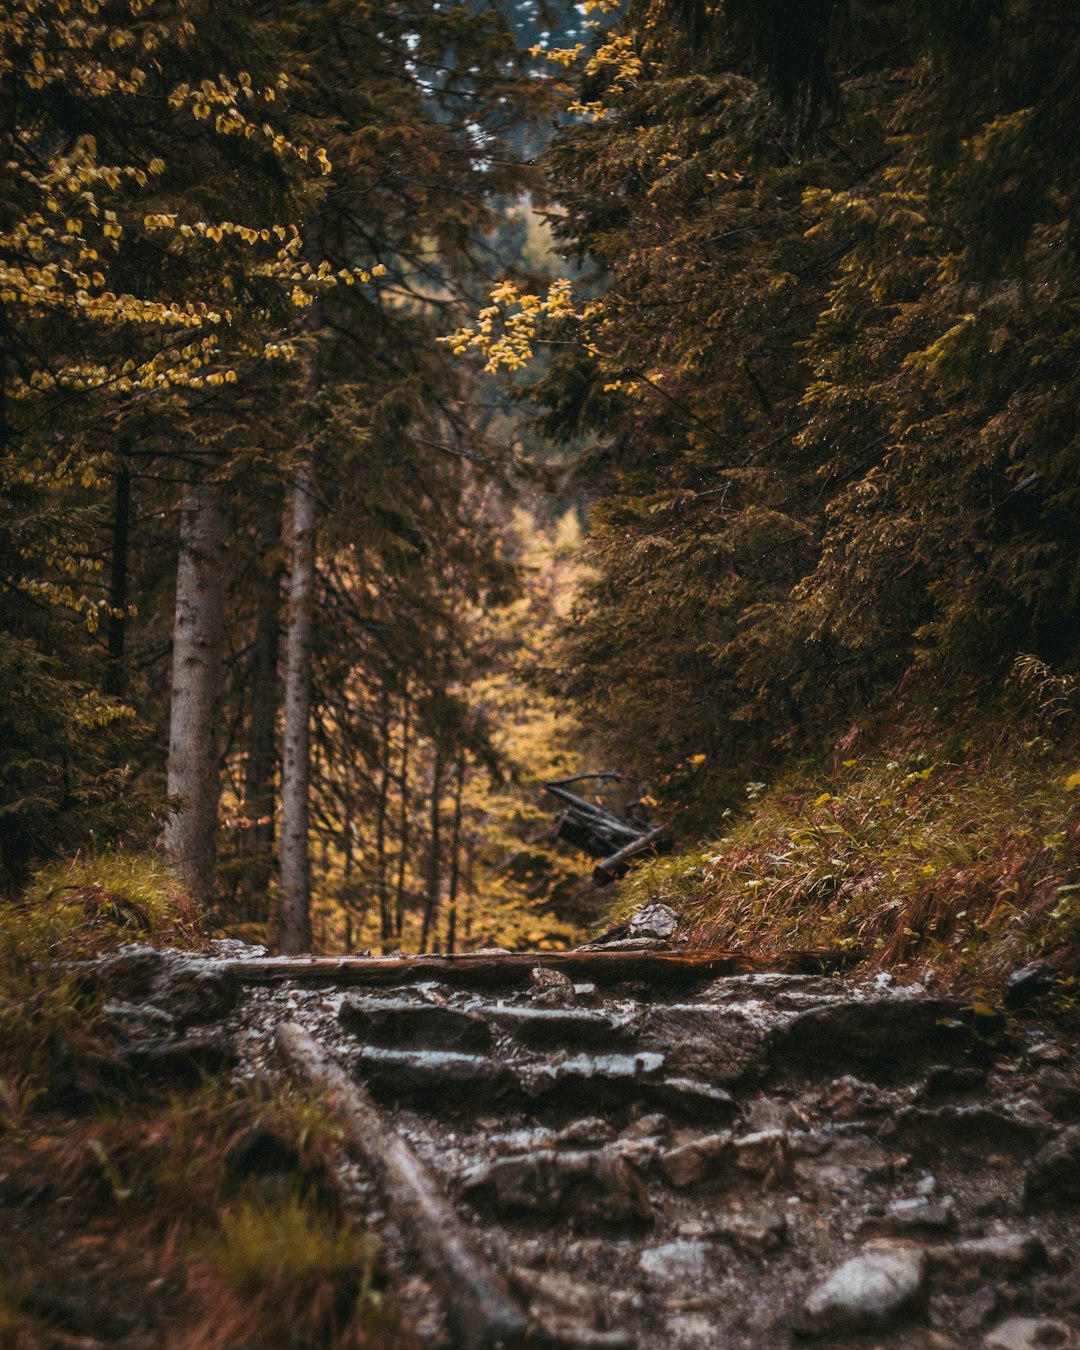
72, 911
259, 1244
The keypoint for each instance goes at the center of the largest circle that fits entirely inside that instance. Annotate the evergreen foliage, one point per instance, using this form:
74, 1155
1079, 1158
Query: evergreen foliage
135, 284
833, 369
228, 237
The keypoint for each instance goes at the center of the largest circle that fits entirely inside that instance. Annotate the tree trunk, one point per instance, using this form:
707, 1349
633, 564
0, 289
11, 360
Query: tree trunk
480, 1309
470, 884
346, 878
294, 900
257, 841
434, 867
198, 642
118, 577
455, 856
294, 891
403, 823
385, 917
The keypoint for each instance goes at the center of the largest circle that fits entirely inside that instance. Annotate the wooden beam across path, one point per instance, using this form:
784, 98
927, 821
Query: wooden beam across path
493, 969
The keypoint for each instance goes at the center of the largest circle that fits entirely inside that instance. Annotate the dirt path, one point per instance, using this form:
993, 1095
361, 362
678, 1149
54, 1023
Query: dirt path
736, 1161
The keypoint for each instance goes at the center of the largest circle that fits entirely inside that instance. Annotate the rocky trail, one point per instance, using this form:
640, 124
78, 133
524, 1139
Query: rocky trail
577, 1154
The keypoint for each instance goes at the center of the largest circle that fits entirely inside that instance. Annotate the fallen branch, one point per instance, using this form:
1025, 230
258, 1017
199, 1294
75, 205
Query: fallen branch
608, 869
480, 1309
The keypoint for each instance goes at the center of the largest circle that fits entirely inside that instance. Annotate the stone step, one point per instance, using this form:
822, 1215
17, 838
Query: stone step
557, 1028
409, 1024
881, 1038
439, 1080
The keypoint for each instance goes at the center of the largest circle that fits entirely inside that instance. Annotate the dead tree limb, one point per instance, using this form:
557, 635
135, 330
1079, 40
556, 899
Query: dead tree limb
608, 870
588, 826
481, 1311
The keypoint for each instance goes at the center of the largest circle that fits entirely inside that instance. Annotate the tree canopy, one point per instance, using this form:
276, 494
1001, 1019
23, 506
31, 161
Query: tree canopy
831, 373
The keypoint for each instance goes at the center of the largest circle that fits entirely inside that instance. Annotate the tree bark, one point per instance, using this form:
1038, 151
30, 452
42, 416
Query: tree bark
434, 861
455, 856
118, 577
257, 841
385, 917
479, 970
403, 822
294, 890
346, 876
480, 1310
198, 643
610, 869
294, 899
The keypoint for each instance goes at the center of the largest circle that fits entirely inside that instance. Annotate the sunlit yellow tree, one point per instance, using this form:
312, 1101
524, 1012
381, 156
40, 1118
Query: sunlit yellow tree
137, 285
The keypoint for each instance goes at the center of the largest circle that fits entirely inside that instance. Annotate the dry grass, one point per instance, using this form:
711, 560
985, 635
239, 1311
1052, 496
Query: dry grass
958, 867
134, 1205
144, 1211
74, 910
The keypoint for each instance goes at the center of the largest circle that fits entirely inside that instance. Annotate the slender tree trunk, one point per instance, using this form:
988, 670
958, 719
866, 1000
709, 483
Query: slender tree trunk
470, 883
257, 841
118, 577
385, 917
294, 898
294, 901
455, 856
403, 822
346, 887
198, 644
434, 867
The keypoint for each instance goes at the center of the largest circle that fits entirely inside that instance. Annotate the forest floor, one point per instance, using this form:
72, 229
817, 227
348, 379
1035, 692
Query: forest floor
737, 1161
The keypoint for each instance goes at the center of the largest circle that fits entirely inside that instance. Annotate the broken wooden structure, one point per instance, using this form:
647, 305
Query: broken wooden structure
616, 840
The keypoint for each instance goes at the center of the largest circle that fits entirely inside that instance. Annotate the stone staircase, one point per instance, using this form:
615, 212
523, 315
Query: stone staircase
767, 1159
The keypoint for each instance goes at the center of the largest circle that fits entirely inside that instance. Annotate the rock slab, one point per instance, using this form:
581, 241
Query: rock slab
867, 1293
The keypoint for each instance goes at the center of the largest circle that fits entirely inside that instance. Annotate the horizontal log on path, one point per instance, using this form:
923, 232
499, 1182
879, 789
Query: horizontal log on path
480, 1309
492, 969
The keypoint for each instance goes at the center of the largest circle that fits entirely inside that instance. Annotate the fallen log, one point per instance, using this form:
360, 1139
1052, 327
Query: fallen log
493, 969
480, 1309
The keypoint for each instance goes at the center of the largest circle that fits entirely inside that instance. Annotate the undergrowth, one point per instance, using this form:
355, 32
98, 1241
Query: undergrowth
219, 1202
960, 861
208, 1218
71, 912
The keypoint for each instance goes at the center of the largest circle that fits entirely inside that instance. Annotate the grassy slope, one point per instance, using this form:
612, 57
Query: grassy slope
950, 853
125, 1208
